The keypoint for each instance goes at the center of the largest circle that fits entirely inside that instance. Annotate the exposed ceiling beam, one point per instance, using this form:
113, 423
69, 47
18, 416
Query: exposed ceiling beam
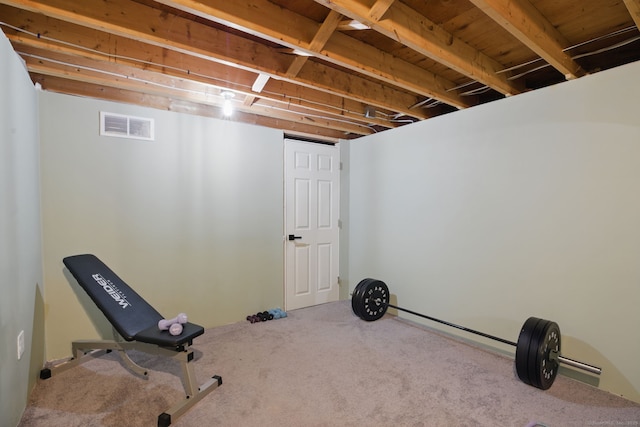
160, 29
319, 40
370, 92
271, 22
634, 9
379, 8
407, 26
58, 36
370, 65
185, 36
325, 31
121, 77
527, 24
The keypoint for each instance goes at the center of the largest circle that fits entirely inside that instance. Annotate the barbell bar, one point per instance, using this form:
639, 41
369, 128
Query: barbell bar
537, 350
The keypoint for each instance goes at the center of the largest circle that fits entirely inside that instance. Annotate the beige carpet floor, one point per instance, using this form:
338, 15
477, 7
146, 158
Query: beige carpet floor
323, 366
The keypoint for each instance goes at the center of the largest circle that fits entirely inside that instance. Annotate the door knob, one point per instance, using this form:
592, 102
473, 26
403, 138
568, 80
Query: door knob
292, 237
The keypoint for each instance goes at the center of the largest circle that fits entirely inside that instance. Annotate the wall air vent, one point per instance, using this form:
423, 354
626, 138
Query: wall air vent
122, 126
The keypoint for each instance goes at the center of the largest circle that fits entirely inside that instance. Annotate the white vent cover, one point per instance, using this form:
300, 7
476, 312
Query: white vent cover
122, 126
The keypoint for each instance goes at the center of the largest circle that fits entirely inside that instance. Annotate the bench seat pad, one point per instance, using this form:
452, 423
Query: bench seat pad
128, 312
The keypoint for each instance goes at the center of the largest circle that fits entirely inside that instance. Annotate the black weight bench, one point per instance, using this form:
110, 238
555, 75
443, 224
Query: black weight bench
137, 322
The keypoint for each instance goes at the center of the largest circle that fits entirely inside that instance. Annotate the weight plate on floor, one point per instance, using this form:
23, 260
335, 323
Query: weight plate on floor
535, 363
356, 298
547, 362
522, 349
534, 347
360, 296
374, 301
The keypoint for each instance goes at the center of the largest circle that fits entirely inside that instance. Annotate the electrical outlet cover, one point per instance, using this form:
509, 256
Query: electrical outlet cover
20, 344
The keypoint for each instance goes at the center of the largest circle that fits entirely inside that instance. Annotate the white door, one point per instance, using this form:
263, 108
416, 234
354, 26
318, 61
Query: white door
312, 198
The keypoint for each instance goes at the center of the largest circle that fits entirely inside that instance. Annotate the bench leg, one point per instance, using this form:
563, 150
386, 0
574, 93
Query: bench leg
193, 393
133, 366
80, 351
183, 355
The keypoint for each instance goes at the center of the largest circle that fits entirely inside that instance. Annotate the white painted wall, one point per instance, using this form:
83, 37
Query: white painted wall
523, 207
20, 252
192, 221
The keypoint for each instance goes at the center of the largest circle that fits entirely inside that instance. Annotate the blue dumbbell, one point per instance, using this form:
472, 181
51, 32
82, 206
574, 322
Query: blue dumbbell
275, 313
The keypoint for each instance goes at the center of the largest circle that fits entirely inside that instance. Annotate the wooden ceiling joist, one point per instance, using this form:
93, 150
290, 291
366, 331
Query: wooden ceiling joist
266, 20
135, 80
634, 9
120, 51
319, 40
232, 51
417, 32
527, 24
331, 68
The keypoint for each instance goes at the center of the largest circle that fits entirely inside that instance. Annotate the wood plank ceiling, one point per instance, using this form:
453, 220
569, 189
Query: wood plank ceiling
323, 69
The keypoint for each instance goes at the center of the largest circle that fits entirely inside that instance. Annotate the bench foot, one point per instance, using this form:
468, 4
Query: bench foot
183, 355
164, 420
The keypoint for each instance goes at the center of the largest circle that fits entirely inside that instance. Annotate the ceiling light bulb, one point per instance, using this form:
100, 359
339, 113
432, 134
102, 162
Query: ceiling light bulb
227, 106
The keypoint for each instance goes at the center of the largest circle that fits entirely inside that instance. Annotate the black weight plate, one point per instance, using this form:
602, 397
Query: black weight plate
534, 364
360, 297
522, 349
537, 338
547, 367
356, 297
375, 300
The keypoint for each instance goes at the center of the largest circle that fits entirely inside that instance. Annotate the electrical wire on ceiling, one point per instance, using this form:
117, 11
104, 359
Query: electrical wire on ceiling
578, 56
469, 83
606, 36
117, 56
111, 73
605, 49
223, 84
407, 121
515, 67
181, 70
338, 110
525, 64
190, 91
427, 103
477, 91
318, 116
524, 73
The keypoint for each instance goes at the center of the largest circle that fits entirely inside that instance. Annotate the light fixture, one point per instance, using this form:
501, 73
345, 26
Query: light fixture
227, 107
261, 80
